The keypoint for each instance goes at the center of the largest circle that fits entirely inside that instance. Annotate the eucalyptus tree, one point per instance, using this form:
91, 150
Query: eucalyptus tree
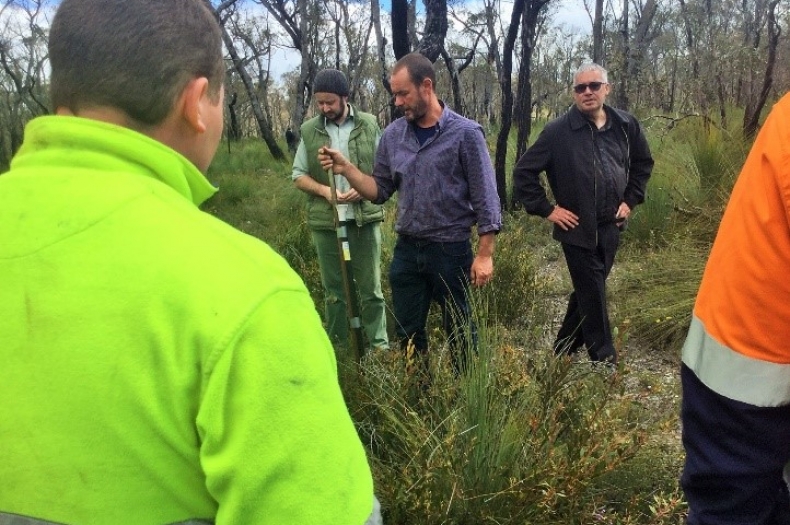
332, 33
764, 20
595, 12
352, 29
632, 48
732, 47
533, 21
381, 44
492, 8
525, 19
506, 86
23, 71
404, 34
238, 40
561, 51
477, 47
302, 21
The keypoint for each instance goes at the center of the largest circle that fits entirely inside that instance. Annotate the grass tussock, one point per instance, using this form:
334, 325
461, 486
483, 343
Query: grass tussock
520, 437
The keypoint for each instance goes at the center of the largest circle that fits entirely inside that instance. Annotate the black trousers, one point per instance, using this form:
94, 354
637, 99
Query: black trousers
586, 321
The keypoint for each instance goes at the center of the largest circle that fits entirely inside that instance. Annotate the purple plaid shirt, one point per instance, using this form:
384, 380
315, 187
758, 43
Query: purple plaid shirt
445, 186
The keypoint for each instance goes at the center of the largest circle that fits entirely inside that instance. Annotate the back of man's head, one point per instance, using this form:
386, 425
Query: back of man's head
132, 55
418, 66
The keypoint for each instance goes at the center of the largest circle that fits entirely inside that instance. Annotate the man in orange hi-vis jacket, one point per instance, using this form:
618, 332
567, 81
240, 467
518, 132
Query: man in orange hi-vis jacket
736, 359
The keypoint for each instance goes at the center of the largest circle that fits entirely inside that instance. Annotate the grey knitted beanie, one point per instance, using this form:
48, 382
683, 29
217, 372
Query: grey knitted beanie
331, 81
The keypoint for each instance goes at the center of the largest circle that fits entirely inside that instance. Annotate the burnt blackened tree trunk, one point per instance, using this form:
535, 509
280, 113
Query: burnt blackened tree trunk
432, 43
400, 28
529, 34
506, 114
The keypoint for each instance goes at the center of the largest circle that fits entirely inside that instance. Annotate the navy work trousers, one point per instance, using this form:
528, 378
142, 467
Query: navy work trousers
735, 457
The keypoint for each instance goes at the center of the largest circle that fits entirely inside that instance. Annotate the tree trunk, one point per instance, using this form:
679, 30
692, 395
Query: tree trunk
400, 31
751, 117
233, 129
523, 111
638, 44
529, 35
598, 33
690, 41
454, 83
264, 126
621, 98
506, 114
493, 57
381, 43
432, 43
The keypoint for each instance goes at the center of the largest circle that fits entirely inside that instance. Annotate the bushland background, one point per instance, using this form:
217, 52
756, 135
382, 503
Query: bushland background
523, 438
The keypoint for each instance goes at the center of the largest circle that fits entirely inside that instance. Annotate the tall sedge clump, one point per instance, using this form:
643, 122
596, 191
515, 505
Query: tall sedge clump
515, 438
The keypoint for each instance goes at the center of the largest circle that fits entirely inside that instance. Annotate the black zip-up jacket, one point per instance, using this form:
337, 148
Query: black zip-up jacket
565, 151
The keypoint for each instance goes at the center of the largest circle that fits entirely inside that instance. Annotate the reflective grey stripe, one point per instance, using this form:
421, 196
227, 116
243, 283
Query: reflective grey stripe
375, 516
16, 519
733, 375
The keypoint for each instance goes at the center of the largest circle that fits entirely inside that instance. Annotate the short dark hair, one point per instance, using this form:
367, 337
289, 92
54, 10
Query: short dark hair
418, 66
132, 55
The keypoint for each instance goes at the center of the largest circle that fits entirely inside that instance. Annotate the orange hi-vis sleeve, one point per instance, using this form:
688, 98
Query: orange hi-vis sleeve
744, 298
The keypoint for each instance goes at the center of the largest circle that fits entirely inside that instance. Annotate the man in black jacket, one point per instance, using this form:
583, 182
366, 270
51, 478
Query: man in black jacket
597, 162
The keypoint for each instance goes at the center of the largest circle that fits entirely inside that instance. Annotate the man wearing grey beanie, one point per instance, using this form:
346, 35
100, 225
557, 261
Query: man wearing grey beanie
342, 126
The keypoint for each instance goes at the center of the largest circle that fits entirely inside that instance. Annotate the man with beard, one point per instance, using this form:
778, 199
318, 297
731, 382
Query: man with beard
356, 134
438, 161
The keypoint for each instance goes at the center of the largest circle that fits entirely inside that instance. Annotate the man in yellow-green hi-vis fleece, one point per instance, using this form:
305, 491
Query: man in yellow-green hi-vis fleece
158, 366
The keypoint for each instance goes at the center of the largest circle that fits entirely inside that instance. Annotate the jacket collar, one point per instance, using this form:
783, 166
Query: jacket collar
578, 120
80, 142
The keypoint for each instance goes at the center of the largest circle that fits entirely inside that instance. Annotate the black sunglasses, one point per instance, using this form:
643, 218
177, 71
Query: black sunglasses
581, 88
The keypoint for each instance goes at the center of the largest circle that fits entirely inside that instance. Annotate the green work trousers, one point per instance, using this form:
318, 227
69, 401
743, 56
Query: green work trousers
365, 247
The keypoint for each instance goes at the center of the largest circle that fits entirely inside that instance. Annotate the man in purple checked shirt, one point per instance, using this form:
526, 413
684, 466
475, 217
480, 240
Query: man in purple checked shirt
439, 163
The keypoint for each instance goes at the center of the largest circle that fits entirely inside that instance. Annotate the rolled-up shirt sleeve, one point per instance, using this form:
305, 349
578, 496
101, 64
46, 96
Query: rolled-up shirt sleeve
482, 181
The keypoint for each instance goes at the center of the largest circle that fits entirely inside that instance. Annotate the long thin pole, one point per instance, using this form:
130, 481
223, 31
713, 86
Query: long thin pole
347, 272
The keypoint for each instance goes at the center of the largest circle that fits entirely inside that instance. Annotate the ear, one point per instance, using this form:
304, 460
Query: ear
194, 98
427, 84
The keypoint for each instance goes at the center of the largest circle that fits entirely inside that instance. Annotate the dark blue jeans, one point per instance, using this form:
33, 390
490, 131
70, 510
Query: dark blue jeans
424, 271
